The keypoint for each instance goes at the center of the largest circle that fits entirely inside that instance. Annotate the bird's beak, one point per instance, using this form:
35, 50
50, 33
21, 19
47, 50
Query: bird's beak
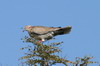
23, 30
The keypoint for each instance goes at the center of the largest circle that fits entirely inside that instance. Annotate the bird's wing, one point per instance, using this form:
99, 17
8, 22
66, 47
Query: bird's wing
43, 30
61, 31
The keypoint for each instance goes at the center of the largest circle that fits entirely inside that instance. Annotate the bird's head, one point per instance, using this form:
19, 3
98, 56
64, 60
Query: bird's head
28, 28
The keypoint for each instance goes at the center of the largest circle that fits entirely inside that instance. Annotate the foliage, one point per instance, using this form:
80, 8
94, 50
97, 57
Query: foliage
85, 61
46, 55
43, 54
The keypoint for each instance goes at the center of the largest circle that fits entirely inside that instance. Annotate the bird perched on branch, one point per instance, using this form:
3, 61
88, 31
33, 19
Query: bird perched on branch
43, 33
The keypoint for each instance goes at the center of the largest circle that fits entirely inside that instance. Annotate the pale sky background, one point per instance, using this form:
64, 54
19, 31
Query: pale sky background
82, 15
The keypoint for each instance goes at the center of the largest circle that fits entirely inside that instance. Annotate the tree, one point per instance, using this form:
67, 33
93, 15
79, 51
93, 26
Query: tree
85, 61
46, 55
43, 54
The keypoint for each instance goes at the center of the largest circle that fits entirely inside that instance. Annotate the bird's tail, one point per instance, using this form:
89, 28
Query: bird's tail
62, 31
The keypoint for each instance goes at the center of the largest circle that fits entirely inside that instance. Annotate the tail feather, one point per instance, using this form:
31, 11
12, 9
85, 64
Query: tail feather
62, 31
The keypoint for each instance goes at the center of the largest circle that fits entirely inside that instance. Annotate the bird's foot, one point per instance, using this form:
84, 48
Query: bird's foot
40, 41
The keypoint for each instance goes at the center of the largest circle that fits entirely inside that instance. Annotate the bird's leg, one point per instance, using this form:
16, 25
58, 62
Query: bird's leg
41, 41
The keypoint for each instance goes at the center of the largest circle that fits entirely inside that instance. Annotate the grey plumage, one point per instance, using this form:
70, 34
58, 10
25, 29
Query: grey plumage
45, 33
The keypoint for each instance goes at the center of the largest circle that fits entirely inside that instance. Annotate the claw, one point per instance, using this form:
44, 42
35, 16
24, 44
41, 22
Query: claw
40, 41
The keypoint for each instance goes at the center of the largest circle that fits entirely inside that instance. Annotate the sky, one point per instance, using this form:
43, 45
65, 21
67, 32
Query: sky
82, 15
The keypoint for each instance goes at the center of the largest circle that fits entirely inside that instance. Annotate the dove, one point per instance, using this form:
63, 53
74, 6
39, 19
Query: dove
43, 33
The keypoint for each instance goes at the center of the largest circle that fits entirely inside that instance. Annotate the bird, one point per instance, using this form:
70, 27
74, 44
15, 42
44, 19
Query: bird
43, 33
